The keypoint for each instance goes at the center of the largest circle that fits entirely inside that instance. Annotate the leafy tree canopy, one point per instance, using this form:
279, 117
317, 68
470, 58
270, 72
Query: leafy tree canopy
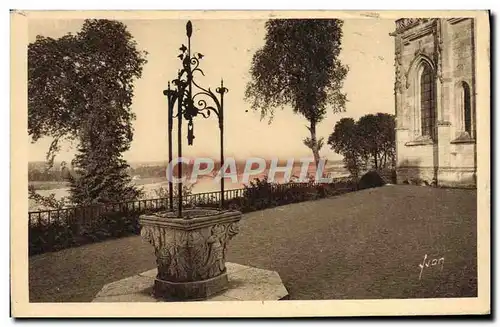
298, 66
368, 142
76, 77
80, 87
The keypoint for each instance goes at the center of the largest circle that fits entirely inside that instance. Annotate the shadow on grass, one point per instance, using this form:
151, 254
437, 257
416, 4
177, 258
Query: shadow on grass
362, 245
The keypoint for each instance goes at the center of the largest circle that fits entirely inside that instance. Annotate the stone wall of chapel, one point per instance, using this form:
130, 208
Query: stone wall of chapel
462, 64
457, 64
416, 156
462, 45
419, 44
462, 67
454, 163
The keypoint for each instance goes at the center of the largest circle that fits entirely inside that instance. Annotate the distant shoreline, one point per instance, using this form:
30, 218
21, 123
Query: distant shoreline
149, 185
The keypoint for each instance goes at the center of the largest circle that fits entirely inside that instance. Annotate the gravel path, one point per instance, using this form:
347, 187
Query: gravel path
362, 245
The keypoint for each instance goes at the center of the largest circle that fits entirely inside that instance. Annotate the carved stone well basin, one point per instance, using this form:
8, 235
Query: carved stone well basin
190, 251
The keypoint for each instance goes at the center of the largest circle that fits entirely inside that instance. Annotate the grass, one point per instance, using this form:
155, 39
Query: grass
361, 245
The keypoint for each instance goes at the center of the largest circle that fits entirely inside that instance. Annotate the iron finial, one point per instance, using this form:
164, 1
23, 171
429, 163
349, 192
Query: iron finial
167, 91
189, 29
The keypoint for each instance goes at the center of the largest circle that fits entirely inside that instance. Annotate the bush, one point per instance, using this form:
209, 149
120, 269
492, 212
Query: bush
371, 179
261, 193
388, 175
76, 230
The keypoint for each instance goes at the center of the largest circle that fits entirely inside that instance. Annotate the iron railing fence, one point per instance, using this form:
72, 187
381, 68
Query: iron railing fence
87, 213
52, 230
84, 214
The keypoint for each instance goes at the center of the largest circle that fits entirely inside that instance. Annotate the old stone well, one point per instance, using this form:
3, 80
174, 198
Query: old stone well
191, 263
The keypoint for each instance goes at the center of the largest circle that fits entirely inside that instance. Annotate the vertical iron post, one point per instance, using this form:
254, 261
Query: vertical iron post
221, 127
179, 149
171, 103
187, 109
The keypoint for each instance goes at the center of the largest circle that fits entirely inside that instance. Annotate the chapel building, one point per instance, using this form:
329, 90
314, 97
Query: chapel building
435, 101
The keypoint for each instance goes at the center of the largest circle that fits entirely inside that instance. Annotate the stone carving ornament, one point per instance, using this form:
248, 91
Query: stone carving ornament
438, 53
405, 23
214, 262
407, 80
420, 50
190, 252
205, 248
398, 63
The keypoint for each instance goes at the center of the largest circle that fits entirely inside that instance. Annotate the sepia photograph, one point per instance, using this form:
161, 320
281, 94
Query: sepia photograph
264, 163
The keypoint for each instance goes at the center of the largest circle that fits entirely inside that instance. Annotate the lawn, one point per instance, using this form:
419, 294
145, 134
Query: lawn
361, 245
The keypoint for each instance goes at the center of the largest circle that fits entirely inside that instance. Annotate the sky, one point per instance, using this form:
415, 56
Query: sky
228, 46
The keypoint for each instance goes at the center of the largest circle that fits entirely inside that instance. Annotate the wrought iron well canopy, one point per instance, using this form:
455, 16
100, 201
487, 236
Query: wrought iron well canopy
191, 101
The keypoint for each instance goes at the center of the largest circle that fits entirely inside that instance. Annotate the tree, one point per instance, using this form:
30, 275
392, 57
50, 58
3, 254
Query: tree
377, 135
299, 67
368, 142
80, 87
344, 140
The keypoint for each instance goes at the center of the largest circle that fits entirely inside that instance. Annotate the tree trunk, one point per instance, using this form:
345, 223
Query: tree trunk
314, 143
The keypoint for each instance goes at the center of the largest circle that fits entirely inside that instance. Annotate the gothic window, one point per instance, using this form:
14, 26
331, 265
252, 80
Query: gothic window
467, 109
427, 102
465, 114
